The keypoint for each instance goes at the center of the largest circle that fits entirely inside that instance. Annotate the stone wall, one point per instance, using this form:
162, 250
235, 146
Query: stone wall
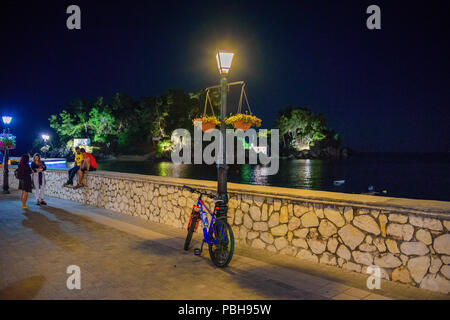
408, 239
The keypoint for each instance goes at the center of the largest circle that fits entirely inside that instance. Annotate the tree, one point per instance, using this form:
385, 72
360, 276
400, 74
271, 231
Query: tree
300, 128
122, 107
126, 125
175, 109
68, 125
103, 124
93, 120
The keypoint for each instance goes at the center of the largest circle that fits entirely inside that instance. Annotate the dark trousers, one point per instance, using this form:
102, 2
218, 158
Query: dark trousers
72, 173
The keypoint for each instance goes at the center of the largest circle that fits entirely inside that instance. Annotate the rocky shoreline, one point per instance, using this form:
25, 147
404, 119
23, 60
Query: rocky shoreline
314, 153
322, 153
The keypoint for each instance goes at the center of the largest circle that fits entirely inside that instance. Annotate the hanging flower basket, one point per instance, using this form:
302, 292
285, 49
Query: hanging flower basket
208, 123
7, 141
244, 126
243, 121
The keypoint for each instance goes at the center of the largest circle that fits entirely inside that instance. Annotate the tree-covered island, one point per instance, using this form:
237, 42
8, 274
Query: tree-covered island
143, 127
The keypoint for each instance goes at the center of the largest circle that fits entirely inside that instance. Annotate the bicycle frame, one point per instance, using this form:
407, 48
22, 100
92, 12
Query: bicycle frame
204, 220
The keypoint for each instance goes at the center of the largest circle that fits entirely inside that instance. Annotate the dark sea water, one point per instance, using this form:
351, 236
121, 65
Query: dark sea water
406, 176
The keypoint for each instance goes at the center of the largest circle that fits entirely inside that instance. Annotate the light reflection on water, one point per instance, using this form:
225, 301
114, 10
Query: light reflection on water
167, 169
307, 174
260, 175
399, 177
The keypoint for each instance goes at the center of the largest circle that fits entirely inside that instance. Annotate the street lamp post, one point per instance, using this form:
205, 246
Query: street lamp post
45, 137
224, 60
6, 121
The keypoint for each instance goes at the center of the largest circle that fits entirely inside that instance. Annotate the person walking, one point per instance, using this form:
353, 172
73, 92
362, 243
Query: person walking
89, 164
38, 167
72, 172
24, 175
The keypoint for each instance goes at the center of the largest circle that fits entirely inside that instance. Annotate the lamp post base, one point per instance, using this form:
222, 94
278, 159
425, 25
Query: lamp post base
6, 173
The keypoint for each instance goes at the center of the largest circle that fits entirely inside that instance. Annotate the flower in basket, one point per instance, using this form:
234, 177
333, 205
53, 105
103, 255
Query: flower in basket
208, 123
243, 121
7, 141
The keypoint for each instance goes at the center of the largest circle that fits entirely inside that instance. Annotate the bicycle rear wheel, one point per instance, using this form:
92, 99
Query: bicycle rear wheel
222, 251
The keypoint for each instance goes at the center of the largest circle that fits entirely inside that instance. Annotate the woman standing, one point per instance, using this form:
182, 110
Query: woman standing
24, 174
38, 167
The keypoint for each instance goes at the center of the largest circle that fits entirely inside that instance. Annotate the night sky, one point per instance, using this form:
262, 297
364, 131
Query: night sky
382, 90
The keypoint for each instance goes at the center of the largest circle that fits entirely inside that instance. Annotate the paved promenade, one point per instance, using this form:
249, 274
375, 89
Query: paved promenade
123, 257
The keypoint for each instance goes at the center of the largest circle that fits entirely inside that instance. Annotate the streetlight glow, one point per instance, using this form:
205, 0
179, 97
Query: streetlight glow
6, 119
224, 59
45, 137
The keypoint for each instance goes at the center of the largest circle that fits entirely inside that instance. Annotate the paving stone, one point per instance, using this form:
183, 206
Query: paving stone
358, 293
126, 257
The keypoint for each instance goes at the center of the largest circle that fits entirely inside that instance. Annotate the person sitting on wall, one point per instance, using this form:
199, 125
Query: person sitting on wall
89, 164
72, 172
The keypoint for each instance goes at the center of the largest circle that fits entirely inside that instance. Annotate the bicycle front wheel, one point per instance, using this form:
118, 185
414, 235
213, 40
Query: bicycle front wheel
222, 250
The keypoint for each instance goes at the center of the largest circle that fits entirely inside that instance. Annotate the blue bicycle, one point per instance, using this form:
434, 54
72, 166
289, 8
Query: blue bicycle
219, 236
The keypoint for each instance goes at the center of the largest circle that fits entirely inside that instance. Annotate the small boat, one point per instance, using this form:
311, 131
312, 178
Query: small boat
371, 191
338, 182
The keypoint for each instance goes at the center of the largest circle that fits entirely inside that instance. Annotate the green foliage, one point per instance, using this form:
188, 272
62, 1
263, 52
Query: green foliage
164, 146
103, 124
85, 120
126, 125
300, 128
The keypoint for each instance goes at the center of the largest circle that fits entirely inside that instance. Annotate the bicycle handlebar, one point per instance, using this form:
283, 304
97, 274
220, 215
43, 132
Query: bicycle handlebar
209, 195
189, 188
